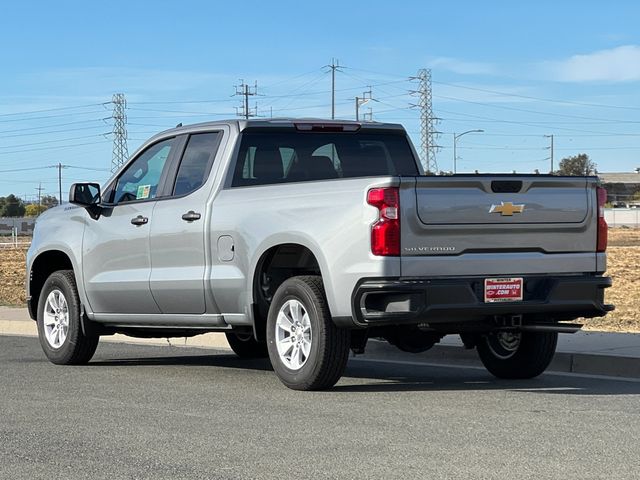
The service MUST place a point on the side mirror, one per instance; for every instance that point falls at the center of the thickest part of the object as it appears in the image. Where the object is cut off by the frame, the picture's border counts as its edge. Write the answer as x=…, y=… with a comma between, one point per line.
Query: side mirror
x=86, y=195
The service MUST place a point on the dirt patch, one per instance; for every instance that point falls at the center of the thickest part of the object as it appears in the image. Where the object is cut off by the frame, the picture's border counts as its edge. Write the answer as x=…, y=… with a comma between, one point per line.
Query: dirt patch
x=624, y=237
x=12, y=276
x=623, y=267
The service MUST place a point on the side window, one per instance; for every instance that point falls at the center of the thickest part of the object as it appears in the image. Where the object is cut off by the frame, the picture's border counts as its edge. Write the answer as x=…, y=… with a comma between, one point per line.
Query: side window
x=196, y=162
x=140, y=179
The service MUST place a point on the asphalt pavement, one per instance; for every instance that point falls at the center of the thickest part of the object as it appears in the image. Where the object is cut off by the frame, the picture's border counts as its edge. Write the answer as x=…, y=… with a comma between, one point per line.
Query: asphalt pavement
x=153, y=412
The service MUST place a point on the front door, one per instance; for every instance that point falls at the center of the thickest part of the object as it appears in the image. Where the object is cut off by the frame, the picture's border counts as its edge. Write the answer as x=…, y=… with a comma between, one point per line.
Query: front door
x=116, y=258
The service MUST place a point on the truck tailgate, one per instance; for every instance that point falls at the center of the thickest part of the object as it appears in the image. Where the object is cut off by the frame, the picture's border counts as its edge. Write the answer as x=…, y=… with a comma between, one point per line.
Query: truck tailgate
x=494, y=224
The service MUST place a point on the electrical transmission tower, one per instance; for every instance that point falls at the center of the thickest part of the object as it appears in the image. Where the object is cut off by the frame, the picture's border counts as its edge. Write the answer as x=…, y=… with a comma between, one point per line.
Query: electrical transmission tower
x=428, y=133
x=120, y=149
x=246, y=91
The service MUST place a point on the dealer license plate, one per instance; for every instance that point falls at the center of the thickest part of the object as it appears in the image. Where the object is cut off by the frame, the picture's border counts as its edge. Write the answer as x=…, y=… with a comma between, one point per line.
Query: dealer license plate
x=502, y=289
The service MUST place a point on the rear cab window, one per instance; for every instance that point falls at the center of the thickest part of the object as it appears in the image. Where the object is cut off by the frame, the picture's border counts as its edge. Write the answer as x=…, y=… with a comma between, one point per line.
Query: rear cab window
x=297, y=156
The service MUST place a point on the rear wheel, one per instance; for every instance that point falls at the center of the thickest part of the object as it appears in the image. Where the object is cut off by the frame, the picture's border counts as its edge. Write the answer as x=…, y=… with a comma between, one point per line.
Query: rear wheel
x=58, y=319
x=517, y=355
x=246, y=346
x=307, y=350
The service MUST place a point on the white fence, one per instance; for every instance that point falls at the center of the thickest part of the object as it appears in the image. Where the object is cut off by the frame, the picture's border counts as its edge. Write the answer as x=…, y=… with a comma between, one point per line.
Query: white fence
x=14, y=241
x=622, y=217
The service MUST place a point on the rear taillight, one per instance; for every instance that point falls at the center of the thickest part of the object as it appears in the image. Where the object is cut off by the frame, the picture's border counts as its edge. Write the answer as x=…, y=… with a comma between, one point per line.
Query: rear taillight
x=601, y=244
x=385, y=232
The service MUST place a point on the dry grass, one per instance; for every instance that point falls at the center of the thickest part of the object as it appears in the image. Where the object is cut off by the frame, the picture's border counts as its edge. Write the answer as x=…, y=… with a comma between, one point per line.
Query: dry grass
x=624, y=268
x=12, y=276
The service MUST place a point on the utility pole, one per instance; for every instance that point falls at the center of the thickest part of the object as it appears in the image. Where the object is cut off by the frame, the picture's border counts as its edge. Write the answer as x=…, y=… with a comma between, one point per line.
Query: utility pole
x=60, y=166
x=39, y=189
x=120, y=150
x=551, y=149
x=335, y=65
x=366, y=97
x=427, y=121
x=246, y=91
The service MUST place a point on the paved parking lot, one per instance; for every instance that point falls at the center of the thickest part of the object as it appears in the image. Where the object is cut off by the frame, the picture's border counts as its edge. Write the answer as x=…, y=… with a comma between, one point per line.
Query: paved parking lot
x=153, y=412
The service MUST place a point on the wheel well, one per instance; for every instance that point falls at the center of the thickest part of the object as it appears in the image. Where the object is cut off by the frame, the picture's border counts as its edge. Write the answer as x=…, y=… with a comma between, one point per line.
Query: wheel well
x=274, y=267
x=44, y=265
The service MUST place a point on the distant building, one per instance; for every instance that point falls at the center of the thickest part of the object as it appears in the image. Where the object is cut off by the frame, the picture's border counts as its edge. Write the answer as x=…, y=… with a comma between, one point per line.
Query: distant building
x=621, y=187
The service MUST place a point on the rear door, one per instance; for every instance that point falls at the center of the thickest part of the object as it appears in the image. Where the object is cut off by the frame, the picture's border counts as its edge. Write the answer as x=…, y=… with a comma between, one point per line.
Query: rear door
x=178, y=239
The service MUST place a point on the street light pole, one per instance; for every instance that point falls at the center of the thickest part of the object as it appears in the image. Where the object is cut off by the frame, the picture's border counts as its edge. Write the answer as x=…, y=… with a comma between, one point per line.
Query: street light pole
x=455, y=141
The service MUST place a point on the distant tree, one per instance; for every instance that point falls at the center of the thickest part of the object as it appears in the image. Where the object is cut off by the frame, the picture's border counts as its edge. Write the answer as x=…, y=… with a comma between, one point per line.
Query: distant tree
x=579, y=164
x=33, y=210
x=49, y=201
x=13, y=207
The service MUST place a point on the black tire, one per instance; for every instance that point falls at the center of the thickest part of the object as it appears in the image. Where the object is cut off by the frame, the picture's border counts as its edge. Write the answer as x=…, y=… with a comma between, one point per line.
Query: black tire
x=245, y=345
x=77, y=348
x=528, y=359
x=329, y=350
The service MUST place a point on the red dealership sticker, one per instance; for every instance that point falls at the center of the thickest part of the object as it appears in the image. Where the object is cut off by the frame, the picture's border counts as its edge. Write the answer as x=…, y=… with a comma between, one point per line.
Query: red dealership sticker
x=502, y=289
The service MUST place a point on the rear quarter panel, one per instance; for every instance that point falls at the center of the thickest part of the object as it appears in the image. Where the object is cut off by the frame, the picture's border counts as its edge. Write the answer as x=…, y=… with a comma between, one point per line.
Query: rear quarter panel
x=331, y=218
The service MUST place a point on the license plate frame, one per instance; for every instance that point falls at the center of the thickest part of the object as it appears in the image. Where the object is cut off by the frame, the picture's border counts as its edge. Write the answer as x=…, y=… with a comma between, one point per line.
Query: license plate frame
x=503, y=289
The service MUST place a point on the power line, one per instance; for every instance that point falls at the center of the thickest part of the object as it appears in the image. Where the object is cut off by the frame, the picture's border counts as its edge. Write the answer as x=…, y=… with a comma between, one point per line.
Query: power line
x=51, y=148
x=52, y=125
x=52, y=109
x=50, y=116
x=48, y=132
x=503, y=107
x=541, y=99
x=50, y=141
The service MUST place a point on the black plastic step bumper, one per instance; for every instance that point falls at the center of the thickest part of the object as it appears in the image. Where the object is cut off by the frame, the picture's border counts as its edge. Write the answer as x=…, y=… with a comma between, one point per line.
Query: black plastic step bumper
x=460, y=300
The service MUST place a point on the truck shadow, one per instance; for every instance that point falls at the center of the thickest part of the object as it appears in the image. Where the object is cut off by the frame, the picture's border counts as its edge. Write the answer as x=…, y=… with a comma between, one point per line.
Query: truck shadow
x=377, y=376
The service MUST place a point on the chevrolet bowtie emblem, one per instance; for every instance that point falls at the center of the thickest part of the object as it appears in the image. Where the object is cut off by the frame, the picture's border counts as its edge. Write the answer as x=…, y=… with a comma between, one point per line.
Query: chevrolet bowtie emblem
x=506, y=209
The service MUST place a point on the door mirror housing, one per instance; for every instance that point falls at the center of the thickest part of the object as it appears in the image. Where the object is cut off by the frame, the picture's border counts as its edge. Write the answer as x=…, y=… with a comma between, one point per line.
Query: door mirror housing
x=86, y=195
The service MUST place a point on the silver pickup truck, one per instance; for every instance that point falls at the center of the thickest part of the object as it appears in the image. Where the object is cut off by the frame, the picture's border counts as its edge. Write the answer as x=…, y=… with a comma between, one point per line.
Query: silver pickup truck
x=302, y=239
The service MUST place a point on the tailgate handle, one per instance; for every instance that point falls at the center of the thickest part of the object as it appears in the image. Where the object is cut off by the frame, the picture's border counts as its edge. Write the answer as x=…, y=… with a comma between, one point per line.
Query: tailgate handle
x=506, y=186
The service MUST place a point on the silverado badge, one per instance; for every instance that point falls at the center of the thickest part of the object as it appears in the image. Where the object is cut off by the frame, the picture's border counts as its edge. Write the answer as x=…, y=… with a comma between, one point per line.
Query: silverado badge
x=506, y=209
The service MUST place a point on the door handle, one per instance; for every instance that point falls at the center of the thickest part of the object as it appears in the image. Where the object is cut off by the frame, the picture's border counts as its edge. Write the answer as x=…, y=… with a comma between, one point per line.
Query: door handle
x=191, y=216
x=139, y=220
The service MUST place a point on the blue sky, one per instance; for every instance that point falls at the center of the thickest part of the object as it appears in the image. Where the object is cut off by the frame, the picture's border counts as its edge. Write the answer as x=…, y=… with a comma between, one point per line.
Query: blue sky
x=517, y=70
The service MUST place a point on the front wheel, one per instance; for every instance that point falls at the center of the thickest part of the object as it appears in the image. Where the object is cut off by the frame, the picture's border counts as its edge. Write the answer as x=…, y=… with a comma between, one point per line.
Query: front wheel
x=307, y=350
x=59, y=327
x=517, y=355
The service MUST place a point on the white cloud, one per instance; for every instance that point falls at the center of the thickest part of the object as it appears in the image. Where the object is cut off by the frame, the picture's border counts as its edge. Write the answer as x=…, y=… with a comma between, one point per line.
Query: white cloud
x=462, y=67
x=620, y=64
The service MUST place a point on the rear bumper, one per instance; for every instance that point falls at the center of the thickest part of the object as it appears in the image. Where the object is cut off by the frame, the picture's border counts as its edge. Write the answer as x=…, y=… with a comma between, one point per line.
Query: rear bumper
x=461, y=300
